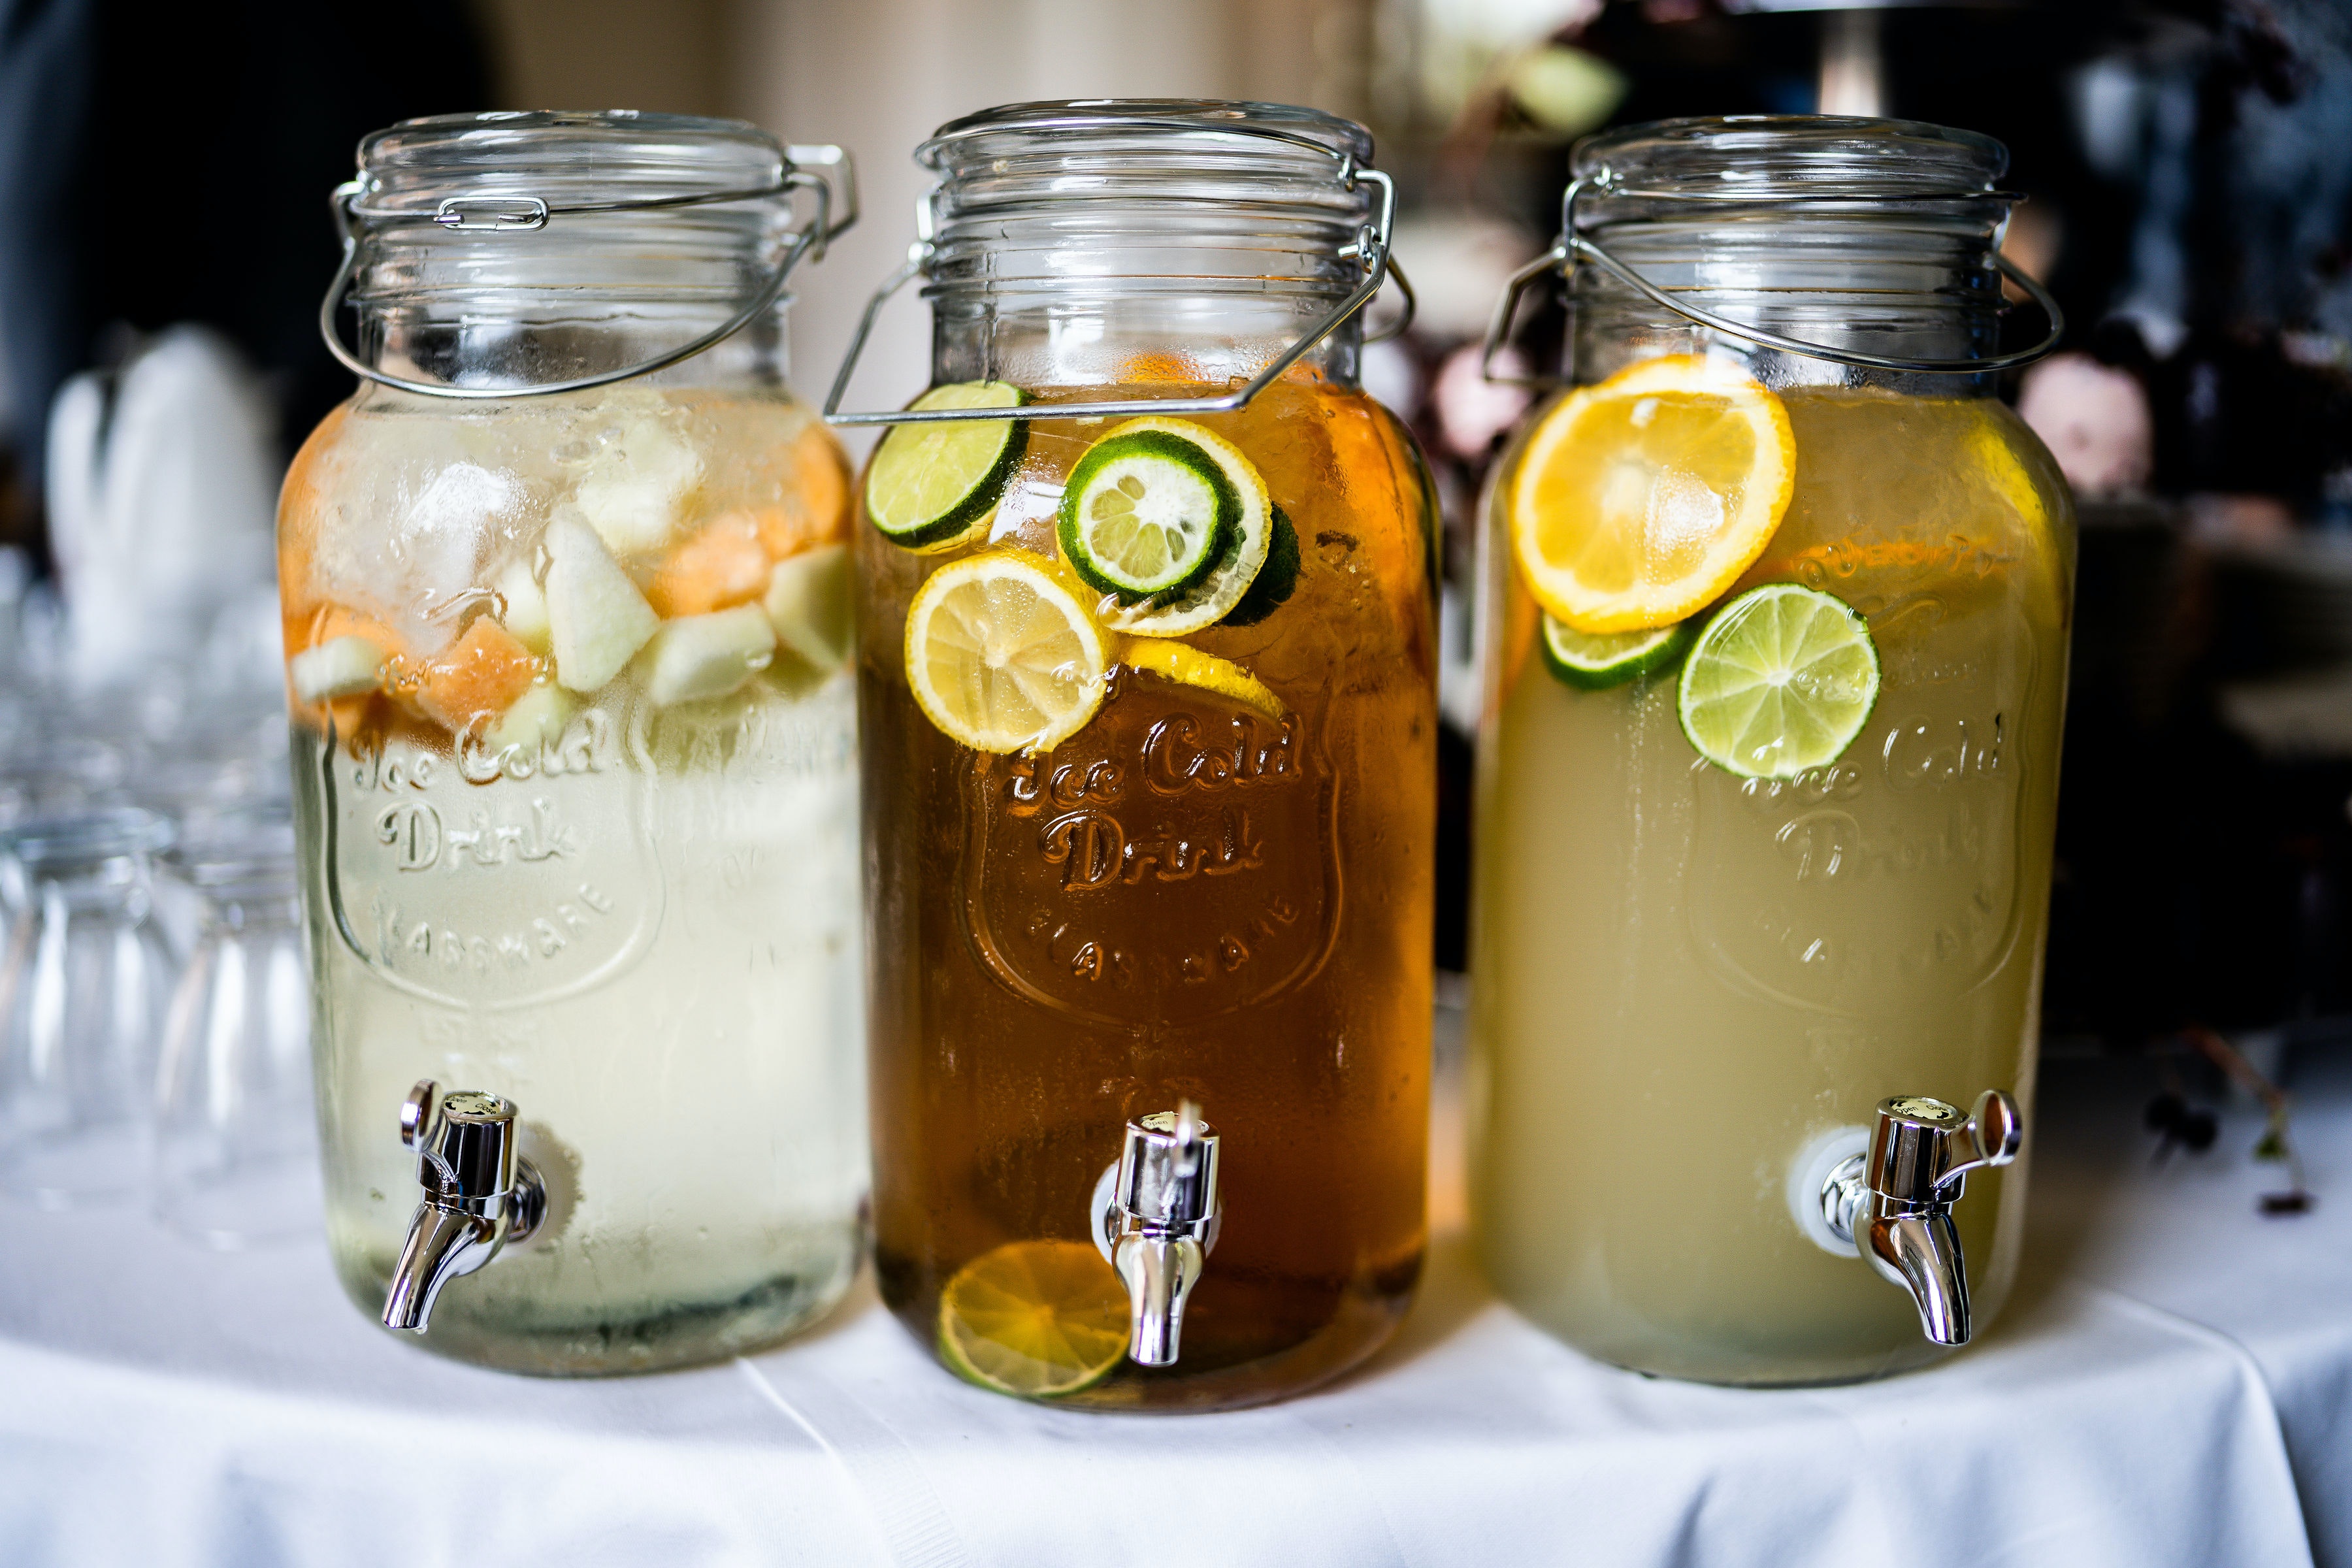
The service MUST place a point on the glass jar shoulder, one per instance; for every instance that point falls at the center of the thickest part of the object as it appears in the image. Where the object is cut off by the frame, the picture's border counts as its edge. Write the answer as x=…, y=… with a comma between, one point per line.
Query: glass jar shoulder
x=1897, y=493
x=447, y=567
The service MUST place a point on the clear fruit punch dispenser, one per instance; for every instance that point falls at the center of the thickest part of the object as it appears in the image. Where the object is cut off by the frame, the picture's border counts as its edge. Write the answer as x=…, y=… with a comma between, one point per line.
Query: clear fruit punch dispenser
x=567, y=598
x=1147, y=702
x=1775, y=629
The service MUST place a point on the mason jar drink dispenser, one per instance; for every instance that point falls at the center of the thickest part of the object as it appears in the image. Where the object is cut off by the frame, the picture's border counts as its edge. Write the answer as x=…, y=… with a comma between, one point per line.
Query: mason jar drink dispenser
x=1147, y=706
x=1776, y=603
x=567, y=616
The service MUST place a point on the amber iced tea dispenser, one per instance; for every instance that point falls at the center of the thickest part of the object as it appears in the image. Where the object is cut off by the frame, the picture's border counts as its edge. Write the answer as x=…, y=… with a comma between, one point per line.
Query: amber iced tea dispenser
x=1775, y=610
x=1146, y=710
x=566, y=593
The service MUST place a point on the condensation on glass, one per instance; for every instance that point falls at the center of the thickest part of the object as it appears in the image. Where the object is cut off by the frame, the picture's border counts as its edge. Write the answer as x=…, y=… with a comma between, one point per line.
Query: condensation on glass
x=576, y=747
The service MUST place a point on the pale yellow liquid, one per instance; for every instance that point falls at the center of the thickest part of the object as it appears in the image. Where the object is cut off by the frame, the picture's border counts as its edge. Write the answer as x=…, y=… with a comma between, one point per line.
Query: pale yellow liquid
x=1681, y=978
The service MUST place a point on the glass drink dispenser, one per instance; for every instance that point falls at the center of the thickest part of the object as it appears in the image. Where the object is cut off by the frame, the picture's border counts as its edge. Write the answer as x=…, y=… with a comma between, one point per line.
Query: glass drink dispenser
x=1776, y=603
x=566, y=593
x=1147, y=705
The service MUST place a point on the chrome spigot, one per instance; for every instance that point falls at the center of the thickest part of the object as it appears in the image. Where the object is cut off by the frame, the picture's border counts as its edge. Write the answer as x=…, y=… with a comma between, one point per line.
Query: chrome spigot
x=479, y=1196
x=1156, y=1215
x=1894, y=1204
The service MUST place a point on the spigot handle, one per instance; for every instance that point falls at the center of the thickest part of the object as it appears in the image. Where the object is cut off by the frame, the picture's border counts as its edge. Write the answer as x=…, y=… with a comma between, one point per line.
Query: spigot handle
x=1996, y=1130
x=465, y=1143
x=1923, y=1150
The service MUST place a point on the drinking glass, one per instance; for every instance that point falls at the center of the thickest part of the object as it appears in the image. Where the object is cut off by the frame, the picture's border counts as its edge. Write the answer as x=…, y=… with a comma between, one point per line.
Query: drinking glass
x=83, y=990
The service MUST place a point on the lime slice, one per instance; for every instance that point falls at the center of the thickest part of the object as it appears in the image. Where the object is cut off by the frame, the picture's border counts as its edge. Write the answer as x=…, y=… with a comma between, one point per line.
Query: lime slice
x=1594, y=662
x=1034, y=1318
x=1187, y=666
x=1276, y=579
x=929, y=483
x=1178, y=611
x=1781, y=680
x=1001, y=655
x=1146, y=512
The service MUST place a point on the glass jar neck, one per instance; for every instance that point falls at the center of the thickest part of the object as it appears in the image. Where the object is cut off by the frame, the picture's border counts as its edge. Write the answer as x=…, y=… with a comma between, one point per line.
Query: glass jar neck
x=1135, y=242
x=1869, y=237
x=1190, y=337
x=600, y=282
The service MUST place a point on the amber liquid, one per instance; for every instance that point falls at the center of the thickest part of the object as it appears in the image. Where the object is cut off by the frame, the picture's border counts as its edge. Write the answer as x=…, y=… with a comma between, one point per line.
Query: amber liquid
x=1186, y=899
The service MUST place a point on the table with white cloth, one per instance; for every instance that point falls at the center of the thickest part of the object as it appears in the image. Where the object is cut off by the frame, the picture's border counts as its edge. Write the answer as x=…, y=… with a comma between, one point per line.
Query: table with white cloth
x=2171, y=1384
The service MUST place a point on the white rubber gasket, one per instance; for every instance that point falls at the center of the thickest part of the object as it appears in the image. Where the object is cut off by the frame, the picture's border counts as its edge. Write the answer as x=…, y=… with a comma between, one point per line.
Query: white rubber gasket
x=1810, y=1172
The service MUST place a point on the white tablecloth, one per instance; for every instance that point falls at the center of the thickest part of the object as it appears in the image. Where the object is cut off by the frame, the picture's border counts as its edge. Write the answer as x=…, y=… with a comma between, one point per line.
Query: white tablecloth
x=2172, y=1385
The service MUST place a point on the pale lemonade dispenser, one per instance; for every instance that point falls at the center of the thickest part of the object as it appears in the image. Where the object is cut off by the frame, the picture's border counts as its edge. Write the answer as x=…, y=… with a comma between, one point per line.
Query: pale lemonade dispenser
x=566, y=593
x=1147, y=709
x=1775, y=603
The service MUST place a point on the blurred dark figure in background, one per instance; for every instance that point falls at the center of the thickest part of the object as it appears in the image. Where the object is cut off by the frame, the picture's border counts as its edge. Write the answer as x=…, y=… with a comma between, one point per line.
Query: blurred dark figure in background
x=164, y=163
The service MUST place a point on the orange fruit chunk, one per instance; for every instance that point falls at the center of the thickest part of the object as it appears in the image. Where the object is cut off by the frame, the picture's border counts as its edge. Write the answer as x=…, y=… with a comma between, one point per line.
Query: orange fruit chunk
x=479, y=676
x=1638, y=501
x=724, y=565
x=815, y=507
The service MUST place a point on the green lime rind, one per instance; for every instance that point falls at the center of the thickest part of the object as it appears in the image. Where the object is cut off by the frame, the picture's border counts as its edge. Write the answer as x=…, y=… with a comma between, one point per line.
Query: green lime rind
x=929, y=484
x=1596, y=663
x=1275, y=580
x=1781, y=680
x=1107, y=541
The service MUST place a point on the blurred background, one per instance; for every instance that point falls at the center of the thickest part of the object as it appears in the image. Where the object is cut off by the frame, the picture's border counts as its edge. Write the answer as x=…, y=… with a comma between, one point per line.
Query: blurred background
x=164, y=242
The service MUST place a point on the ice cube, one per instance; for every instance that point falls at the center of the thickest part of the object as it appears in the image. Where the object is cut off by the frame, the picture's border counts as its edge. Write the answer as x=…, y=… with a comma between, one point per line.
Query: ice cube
x=696, y=657
x=596, y=618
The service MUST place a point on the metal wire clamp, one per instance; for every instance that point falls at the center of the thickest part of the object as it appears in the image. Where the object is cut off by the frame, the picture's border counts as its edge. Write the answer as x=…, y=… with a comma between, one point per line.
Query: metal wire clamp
x=1371, y=244
x=521, y=213
x=1570, y=248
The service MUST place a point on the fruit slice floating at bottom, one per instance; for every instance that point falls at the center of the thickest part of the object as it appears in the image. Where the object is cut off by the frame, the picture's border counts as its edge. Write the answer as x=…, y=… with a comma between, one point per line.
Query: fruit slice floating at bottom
x=1782, y=679
x=930, y=483
x=1034, y=1318
x=1002, y=654
x=1595, y=663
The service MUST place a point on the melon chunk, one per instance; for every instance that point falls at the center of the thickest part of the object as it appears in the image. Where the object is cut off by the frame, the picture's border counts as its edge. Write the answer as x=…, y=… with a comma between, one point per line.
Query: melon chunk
x=538, y=717
x=596, y=618
x=481, y=674
x=696, y=657
x=525, y=604
x=634, y=487
x=808, y=603
x=722, y=566
x=339, y=666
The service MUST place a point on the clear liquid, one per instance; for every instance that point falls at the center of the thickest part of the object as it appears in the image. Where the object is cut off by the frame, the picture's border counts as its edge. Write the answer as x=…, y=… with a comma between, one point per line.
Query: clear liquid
x=1681, y=978
x=685, y=1062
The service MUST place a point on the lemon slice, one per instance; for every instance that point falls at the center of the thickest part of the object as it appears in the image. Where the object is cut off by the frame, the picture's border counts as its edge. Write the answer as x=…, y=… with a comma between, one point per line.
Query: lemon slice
x=1001, y=655
x=929, y=484
x=1592, y=663
x=1641, y=500
x=1183, y=662
x=1034, y=1318
x=1782, y=679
